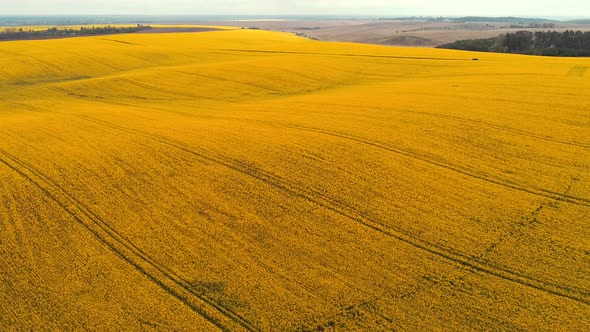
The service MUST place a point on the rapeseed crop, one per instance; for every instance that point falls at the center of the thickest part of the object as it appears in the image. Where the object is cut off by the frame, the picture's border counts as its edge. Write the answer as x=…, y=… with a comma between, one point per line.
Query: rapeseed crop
x=254, y=180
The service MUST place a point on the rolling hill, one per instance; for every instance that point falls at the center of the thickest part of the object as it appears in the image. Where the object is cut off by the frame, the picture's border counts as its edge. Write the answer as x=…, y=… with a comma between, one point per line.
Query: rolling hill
x=253, y=180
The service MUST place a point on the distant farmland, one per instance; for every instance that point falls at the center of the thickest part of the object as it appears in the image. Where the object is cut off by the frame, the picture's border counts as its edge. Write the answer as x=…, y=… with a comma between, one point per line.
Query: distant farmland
x=258, y=181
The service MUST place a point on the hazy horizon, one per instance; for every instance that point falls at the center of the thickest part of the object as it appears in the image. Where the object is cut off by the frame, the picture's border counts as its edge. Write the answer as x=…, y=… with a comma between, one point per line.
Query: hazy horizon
x=294, y=16
x=381, y=8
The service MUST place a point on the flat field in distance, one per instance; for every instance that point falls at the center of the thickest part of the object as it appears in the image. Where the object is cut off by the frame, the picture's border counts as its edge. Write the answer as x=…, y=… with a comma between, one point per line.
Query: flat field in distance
x=422, y=33
x=257, y=181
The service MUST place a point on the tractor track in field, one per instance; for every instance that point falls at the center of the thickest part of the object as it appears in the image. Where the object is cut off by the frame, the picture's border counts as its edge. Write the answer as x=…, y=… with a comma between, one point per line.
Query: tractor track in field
x=507, y=101
x=220, y=79
x=383, y=146
x=428, y=114
x=341, y=54
x=582, y=201
x=496, y=127
x=527, y=222
x=349, y=212
x=487, y=124
x=148, y=88
x=223, y=318
x=484, y=177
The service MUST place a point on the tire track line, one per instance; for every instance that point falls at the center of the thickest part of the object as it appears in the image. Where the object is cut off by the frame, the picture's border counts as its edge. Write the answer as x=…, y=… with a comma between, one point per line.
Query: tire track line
x=482, y=177
x=224, y=80
x=221, y=317
x=341, y=54
x=479, y=265
x=442, y=116
x=494, y=126
x=497, y=181
x=482, y=123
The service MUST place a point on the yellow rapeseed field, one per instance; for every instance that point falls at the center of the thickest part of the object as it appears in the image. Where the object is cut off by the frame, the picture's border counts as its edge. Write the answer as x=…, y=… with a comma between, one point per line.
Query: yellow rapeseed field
x=77, y=27
x=253, y=180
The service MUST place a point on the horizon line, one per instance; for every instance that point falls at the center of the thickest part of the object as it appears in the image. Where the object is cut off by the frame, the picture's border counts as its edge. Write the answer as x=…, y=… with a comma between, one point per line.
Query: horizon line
x=309, y=15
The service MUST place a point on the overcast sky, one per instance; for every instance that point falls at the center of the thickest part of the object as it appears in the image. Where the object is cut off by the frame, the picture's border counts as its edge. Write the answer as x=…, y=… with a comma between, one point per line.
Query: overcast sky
x=576, y=8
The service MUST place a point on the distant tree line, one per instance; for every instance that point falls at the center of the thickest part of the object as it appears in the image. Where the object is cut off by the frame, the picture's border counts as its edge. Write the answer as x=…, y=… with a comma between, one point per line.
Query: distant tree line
x=23, y=34
x=550, y=43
